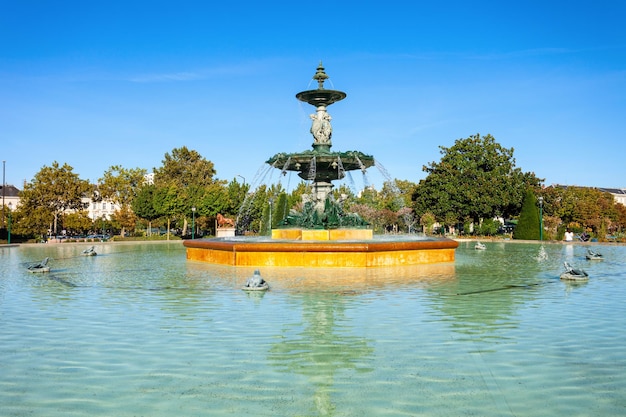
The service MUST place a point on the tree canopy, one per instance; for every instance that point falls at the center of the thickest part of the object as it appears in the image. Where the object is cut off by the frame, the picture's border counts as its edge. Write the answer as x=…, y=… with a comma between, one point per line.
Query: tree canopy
x=121, y=185
x=475, y=179
x=53, y=190
x=184, y=167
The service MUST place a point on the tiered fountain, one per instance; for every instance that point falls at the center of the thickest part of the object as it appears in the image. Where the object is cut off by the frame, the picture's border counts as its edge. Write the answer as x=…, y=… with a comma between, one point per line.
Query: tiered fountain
x=322, y=235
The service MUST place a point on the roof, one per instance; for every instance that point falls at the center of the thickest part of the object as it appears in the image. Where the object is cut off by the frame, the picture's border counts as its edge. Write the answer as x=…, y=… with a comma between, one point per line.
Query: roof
x=9, y=191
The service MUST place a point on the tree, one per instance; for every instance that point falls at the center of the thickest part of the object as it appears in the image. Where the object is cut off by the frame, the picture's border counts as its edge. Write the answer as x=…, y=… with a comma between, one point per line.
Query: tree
x=295, y=197
x=53, y=190
x=184, y=174
x=396, y=194
x=237, y=194
x=143, y=205
x=124, y=218
x=582, y=208
x=78, y=222
x=475, y=179
x=427, y=221
x=528, y=225
x=184, y=167
x=121, y=186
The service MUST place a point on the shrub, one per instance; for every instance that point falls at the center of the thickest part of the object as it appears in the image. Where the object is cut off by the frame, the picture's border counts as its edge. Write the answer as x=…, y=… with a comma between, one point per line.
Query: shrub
x=528, y=225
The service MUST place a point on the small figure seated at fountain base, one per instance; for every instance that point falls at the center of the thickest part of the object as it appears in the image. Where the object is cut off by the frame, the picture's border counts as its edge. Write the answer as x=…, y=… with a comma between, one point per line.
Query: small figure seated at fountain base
x=256, y=283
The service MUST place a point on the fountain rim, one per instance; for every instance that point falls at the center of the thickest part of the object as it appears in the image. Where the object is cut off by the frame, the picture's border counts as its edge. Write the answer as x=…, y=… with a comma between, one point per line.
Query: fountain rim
x=225, y=244
x=321, y=97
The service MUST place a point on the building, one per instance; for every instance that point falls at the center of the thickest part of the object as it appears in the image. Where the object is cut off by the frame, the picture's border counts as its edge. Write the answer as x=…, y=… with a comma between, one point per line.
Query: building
x=618, y=193
x=10, y=201
x=10, y=196
x=99, y=209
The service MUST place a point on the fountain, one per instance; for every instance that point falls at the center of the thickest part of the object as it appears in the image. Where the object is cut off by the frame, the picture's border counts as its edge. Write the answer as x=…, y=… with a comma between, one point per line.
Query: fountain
x=322, y=235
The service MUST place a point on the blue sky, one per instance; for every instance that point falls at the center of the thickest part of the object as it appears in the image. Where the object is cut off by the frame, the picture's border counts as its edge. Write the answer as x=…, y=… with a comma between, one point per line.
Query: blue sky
x=96, y=84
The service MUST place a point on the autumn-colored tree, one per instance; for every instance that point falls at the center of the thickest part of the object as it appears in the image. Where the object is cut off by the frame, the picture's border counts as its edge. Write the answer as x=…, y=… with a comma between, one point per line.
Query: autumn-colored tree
x=53, y=190
x=584, y=208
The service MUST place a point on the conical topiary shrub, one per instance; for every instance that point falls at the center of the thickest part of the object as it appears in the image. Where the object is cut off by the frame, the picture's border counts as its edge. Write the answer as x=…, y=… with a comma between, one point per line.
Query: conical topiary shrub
x=528, y=224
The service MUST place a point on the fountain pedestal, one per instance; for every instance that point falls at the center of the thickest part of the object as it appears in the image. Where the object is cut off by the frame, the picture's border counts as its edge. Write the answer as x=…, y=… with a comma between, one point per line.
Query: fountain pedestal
x=225, y=232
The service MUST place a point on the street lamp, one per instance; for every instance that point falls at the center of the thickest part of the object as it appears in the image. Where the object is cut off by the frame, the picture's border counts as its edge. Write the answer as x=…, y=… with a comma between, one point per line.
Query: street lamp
x=193, y=223
x=243, y=178
x=271, y=201
x=9, y=230
x=540, y=217
x=4, y=186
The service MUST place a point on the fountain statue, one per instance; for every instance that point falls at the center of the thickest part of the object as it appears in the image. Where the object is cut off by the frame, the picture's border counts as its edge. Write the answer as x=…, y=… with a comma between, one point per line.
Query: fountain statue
x=322, y=234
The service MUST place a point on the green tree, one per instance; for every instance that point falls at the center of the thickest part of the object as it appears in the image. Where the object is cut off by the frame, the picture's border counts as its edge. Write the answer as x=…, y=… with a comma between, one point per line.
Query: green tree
x=427, y=221
x=475, y=179
x=236, y=196
x=295, y=197
x=184, y=167
x=280, y=210
x=213, y=200
x=182, y=180
x=488, y=227
x=121, y=186
x=53, y=190
x=143, y=205
x=77, y=222
x=528, y=224
x=396, y=194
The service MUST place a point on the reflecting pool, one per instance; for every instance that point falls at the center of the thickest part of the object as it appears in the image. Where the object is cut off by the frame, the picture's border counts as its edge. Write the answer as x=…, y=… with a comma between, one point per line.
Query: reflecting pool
x=140, y=331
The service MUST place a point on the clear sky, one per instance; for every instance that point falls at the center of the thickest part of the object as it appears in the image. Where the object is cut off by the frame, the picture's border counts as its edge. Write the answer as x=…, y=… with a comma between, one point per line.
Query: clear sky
x=96, y=84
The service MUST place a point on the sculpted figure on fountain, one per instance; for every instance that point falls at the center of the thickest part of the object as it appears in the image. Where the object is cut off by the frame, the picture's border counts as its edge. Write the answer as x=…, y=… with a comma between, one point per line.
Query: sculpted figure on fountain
x=321, y=128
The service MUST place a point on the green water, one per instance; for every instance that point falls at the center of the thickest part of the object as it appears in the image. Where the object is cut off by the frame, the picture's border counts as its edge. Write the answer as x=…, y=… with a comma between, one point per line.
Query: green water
x=140, y=331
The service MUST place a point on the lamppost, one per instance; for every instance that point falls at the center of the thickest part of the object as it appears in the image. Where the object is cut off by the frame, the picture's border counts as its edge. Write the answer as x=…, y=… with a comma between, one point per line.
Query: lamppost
x=193, y=222
x=243, y=178
x=540, y=199
x=4, y=186
x=9, y=230
x=270, y=201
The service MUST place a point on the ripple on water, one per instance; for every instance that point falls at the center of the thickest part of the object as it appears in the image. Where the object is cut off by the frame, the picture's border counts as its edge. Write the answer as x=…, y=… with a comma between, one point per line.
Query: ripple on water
x=138, y=330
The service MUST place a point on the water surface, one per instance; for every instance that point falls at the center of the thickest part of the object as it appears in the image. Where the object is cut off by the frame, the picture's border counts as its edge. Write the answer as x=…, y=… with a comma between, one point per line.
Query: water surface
x=140, y=331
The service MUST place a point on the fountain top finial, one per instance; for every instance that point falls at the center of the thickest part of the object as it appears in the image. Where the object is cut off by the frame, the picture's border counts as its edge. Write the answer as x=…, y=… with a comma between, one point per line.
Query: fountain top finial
x=321, y=96
x=320, y=76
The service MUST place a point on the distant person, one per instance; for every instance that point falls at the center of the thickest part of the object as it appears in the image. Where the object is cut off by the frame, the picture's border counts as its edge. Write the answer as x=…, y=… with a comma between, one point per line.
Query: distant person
x=569, y=236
